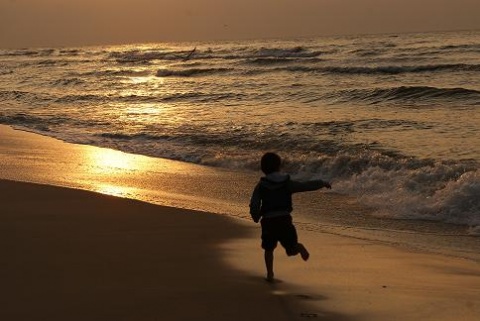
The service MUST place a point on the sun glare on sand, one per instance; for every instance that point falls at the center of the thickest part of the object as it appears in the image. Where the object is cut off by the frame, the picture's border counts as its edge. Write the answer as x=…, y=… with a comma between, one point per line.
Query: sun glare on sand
x=109, y=161
x=111, y=169
x=117, y=173
x=112, y=190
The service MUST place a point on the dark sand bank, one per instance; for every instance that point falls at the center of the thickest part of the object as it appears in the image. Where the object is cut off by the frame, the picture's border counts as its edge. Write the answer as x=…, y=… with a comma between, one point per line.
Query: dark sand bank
x=76, y=255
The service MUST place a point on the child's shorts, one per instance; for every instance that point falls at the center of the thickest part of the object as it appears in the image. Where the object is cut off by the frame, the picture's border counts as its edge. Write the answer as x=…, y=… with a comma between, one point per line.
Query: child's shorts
x=279, y=229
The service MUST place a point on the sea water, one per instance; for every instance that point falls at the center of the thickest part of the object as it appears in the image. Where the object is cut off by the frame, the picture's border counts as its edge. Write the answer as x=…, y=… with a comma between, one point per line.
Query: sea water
x=391, y=120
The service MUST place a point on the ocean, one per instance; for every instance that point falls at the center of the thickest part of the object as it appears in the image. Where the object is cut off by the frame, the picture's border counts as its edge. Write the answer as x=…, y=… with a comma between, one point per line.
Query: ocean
x=393, y=121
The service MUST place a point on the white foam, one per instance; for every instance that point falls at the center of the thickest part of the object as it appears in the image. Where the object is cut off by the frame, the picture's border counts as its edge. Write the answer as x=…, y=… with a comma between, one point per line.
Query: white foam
x=474, y=230
x=423, y=193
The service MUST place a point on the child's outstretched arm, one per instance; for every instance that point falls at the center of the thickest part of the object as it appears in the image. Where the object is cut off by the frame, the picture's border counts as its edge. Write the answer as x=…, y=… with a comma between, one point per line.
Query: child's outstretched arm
x=255, y=204
x=313, y=185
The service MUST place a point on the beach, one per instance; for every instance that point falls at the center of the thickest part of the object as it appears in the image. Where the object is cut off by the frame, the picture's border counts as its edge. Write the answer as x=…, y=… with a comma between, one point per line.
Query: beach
x=70, y=252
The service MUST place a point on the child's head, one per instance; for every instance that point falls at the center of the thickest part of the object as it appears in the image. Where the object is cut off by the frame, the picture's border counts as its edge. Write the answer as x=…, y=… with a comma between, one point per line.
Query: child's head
x=270, y=163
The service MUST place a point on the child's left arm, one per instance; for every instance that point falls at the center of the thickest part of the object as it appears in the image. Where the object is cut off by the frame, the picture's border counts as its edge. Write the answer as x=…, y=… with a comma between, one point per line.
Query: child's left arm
x=306, y=186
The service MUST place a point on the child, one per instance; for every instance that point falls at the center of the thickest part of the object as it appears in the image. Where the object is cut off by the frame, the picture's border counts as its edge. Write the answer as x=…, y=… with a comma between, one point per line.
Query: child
x=272, y=202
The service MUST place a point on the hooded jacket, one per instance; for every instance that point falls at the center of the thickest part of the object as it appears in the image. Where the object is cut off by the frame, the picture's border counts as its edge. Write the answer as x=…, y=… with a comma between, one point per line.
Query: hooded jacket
x=272, y=196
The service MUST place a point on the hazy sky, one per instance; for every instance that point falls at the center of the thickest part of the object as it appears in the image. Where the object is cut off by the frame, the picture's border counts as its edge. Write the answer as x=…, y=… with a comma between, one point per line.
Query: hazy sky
x=25, y=23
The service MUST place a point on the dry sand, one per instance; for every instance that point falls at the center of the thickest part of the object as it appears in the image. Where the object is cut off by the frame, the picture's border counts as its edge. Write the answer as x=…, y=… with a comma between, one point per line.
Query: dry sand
x=77, y=255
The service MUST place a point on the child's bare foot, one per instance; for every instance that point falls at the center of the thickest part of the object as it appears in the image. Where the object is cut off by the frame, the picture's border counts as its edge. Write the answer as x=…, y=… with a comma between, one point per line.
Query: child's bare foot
x=303, y=252
x=270, y=278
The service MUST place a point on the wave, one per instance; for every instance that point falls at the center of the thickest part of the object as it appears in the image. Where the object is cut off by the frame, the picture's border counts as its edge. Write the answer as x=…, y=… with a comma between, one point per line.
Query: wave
x=268, y=61
x=48, y=52
x=19, y=119
x=28, y=52
x=138, y=56
x=35, y=99
x=24, y=96
x=5, y=72
x=387, y=70
x=50, y=63
x=369, y=52
x=461, y=47
x=36, y=123
x=191, y=72
x=203, y=97
x=439, y=191
x=69, y=52
x=124, y=136
x=81, y=99
x=412, y=95
x=295, y=52
x=67, y=82
x=113, y=73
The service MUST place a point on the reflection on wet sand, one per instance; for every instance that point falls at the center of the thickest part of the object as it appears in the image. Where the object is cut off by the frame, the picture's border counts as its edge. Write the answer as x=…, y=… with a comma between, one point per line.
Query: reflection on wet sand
x=29, y=157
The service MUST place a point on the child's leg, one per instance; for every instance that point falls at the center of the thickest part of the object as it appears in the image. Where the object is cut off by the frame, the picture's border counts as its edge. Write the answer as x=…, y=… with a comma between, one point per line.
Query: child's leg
x=269, y=264
x=289, y=240
x=303, y=251
x=298, y=248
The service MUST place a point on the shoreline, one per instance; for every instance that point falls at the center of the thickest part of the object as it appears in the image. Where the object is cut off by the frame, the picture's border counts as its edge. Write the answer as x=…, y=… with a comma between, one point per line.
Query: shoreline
x=61, y=262
x=31, y=157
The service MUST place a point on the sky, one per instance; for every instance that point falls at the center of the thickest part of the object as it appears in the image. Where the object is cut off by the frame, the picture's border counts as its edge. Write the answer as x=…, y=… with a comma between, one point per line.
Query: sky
x=48, y=23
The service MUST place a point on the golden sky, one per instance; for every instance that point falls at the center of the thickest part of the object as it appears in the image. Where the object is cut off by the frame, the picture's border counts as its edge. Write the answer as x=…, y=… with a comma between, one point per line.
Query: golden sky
x=26, y=23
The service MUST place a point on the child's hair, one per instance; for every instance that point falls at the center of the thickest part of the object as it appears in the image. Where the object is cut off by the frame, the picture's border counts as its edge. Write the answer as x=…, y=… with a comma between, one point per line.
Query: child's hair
x=270, y=163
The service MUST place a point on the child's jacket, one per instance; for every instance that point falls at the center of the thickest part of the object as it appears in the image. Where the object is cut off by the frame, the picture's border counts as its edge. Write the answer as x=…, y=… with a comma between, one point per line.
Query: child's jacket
x=272, y=196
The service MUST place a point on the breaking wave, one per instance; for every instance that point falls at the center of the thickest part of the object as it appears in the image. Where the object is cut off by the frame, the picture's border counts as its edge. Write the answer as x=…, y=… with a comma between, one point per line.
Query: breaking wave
x=415, y=95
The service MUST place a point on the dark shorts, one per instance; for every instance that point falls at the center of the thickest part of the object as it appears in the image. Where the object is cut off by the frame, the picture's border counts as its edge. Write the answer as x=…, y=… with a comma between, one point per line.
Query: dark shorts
x=279, y=229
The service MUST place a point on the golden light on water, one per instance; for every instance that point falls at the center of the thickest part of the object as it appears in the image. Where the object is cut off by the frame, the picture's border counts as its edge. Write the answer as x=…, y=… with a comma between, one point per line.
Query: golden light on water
x=138, y=80
x=144, y=109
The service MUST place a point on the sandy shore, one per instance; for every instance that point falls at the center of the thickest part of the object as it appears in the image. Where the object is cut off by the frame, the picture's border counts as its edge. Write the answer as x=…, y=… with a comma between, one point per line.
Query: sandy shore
x=77, y=255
